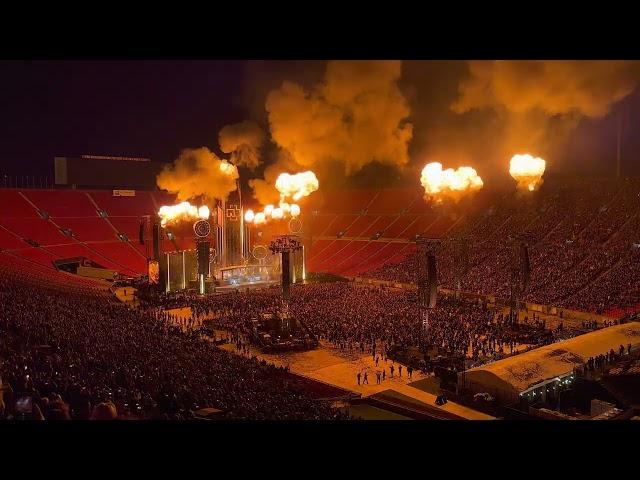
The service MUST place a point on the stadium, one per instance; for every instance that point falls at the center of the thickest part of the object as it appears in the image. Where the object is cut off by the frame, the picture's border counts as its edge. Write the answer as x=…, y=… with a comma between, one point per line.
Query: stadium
x=225, y=284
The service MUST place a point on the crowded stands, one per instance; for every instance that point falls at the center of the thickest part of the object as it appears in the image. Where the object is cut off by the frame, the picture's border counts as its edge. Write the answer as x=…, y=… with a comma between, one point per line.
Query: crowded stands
x=80, y=357
x=583, y=241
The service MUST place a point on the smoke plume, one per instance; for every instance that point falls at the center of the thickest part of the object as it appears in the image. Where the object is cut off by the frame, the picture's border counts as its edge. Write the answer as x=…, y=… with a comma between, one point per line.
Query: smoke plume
x=534, y=105
x=243, y=141
x=555, y=87
x=264, y=189
x=198, y=172
x=356, y=116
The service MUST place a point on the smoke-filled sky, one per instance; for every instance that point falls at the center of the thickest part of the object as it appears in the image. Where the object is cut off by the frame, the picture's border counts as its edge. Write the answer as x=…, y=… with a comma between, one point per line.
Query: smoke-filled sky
x=374, y=121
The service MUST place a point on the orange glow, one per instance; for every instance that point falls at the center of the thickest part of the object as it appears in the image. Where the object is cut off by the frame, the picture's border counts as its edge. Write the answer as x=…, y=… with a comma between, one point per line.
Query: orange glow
x=527, y=171
x=180, y=212
x=294, y=186
x=297, y=186
x=227, y=168
x=439, y=183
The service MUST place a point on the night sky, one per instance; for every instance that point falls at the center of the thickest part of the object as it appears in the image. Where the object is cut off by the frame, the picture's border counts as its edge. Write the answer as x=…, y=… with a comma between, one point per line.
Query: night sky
x=130, y=108
x=155, y=108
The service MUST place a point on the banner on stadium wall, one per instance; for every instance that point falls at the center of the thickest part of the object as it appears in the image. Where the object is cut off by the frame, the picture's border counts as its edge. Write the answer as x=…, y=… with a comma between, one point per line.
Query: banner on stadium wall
x=124, y=193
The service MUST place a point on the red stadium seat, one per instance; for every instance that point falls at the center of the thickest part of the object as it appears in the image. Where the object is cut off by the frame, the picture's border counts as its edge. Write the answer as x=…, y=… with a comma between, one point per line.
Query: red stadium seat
x=349, y=266
x=14, y=205
x=88, y=229
x=345, y=201
x=9, y=240
x=124, y=254
x=378, y=226
x=320, y=223
x=340, y=224
x=62, y=203
x=360, y=225
x=139, y=205
x=393, y=201
x=42, y=231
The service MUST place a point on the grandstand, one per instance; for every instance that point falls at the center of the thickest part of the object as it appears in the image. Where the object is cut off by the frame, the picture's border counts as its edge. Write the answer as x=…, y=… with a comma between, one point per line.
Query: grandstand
x=355, y=231
x=358, y=231
x=581, y=237
x=38, y=227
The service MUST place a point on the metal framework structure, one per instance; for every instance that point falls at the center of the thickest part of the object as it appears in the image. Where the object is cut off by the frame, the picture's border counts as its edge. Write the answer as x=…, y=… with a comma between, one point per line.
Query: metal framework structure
x=425, y=246
x=202, y=229
x=285, y=245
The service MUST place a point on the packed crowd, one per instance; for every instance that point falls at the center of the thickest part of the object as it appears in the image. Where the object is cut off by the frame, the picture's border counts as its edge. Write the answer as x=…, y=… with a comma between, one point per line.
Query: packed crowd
x=584, y=247
x=365, y=319
x=73, y=356
x=599, y=362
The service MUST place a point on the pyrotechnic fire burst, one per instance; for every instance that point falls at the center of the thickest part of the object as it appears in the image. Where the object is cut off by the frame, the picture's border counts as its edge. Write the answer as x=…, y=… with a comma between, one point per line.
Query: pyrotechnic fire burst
x=527, y=171
x=182, y=211
x=451, y=183
x=227, y=168
x=268, y=210
x=259, y=218
x=297, y=186
x=277, y=213
x=294, y=186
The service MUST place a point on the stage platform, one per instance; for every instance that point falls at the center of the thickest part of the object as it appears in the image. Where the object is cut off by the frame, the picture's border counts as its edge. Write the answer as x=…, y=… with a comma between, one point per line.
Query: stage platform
x=246, y=286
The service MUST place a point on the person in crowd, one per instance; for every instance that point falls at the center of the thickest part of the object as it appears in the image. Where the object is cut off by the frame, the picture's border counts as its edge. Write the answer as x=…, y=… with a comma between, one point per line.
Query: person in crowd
x=105, y=360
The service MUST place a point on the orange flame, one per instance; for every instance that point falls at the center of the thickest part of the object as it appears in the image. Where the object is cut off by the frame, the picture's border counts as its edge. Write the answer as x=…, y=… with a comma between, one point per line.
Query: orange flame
x=294, y=186
x=439, y=183
x=297, y=186
x=180, y=212
x=527, y=171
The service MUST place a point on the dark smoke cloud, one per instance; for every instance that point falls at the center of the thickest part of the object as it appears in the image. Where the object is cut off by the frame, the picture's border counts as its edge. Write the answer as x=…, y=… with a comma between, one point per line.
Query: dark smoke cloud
x=357, y=116
x=482, y=113
x=243, y=141
x=367, y=116
x=555, y=87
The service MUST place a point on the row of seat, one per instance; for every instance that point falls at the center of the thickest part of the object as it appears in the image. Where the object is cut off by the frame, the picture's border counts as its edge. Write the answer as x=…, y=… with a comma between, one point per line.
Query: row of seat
x=42, y=225
x=14, y=266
